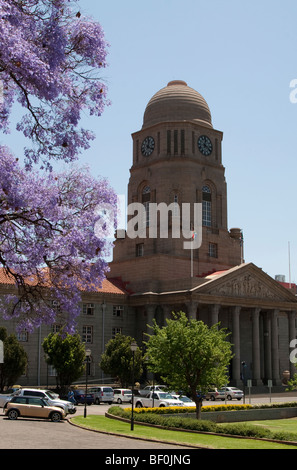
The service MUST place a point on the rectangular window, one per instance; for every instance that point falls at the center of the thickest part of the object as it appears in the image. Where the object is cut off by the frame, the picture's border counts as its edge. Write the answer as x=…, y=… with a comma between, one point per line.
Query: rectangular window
x=51, y=371
x=175, y=142
x=116, y=331
x=87, y=334
x=168, y=142
x=206, y=213
x=182, y=142
x=56, y=328
x=213, y=250
x=139, y=249
x=22, y=336
x=88, y=309
x=118, y=310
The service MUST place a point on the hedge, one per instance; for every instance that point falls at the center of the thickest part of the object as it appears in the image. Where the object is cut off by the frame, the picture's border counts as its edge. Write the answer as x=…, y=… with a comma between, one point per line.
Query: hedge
x=203, y=425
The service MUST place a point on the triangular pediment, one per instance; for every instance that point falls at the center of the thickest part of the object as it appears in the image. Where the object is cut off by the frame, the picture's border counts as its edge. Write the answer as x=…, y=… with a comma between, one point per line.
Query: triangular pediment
x=245, y=281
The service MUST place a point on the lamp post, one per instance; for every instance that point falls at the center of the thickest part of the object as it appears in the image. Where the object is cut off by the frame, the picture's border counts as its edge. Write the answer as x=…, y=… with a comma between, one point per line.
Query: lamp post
x=88, y=353
x=133, y=348
x=243, y=378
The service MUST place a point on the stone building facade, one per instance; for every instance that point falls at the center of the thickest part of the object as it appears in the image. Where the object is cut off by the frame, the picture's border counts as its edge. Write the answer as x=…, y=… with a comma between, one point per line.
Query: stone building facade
x=177, y=159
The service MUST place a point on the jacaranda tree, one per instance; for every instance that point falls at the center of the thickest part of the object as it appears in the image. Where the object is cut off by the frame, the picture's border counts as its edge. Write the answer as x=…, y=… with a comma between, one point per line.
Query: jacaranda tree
x=52, y=228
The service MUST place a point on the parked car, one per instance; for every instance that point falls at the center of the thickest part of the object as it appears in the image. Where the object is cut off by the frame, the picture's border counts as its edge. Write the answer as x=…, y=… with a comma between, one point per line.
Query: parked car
x=232, y=392
x=215, y=394
x=122, y=395
x=186, y=400
x=149, y=388
x=102, y=394
x=81, y=397
x=67, y=406
x=33, y=407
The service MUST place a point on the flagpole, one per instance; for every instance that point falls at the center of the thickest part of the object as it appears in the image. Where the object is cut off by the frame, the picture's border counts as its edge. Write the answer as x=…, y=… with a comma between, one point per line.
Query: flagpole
x=289, y=265
x=192, y=259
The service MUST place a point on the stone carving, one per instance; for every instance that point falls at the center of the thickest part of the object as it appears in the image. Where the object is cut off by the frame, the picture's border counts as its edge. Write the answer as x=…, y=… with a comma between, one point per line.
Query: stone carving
x=245, y=286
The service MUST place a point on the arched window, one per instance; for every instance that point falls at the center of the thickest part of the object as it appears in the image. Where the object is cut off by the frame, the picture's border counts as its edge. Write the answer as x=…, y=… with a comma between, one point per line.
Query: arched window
x=146, y=198
x=206, y=206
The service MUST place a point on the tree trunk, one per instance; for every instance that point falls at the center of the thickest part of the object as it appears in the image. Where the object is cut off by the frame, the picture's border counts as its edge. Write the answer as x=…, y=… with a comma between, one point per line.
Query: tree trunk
x=198, y=408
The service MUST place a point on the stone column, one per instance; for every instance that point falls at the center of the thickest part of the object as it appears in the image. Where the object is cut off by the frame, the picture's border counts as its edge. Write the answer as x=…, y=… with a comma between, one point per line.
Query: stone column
x=267, y=347
x=256, y=347
x=292, y=335
x=274, y=348
x=192, y=310
x=167, y=310
x=150, y=315
x=236, y=347
x=214, y=314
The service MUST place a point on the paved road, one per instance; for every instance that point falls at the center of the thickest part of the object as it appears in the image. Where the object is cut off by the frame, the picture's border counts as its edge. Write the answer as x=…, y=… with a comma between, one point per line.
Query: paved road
x=41, y=434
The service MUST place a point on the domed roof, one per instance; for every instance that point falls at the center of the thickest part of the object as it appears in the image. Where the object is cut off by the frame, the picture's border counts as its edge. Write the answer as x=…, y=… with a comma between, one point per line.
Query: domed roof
x=177, y=102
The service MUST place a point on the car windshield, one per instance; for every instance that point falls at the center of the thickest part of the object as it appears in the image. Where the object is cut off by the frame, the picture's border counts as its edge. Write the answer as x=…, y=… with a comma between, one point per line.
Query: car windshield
x=164, y=395
x=51, y=395
x=185, y=399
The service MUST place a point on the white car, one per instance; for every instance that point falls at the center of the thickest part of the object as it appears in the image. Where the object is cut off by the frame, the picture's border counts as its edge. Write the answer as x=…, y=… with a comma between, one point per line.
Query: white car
x=152, y=388
x=186, y=400
x=122, y=395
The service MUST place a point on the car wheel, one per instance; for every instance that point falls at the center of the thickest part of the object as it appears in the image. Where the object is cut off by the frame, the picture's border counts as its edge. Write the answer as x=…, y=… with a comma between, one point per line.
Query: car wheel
x=212, y=398
x=97, y=401
x=138, y=405
x=229, y=397
x=56, y=417
x=119, y=401
x=239, y=398
x=13, y=414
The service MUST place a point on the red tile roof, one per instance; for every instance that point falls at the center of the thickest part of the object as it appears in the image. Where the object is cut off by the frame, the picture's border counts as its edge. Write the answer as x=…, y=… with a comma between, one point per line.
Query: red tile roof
x=109, y=286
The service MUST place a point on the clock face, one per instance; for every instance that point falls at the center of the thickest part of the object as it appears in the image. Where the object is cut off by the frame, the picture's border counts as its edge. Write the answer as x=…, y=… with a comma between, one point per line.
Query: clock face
x=205, y=145
x=147, y=146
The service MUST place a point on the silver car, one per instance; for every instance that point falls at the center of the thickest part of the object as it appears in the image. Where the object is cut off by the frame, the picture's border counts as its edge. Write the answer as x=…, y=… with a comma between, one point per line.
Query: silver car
x=102, y=394
x=215, y=394
x=232, y=392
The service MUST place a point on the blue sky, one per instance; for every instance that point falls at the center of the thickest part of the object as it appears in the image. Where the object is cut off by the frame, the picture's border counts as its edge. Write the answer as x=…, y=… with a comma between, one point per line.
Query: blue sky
x=241, y=56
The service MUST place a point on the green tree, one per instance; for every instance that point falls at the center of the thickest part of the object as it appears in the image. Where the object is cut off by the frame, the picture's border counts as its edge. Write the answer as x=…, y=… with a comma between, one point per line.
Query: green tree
x=15, y=360
x=66, y=353
x=189, y=355
x=117, y=360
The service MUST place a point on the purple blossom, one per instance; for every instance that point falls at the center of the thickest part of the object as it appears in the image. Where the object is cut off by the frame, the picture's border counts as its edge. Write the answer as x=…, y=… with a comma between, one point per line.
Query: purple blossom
x=49, y=247
x=50, y=61
x=51, y=52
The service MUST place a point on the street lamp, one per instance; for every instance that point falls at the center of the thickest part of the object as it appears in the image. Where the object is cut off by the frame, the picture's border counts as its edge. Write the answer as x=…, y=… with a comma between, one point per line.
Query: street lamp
x=243, y=378
x=88, y=354
x=133, y=348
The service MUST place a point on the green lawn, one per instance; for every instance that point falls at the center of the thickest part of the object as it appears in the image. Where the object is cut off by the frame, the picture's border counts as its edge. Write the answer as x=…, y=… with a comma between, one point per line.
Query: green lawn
x=286, y=425
x=101, y=423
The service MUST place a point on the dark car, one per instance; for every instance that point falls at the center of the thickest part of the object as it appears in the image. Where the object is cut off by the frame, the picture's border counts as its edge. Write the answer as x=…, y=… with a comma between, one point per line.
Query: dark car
x=80, y=396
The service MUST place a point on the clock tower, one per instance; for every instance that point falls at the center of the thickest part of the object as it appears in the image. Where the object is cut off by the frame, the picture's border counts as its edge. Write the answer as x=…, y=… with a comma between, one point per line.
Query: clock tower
x=177, y=163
